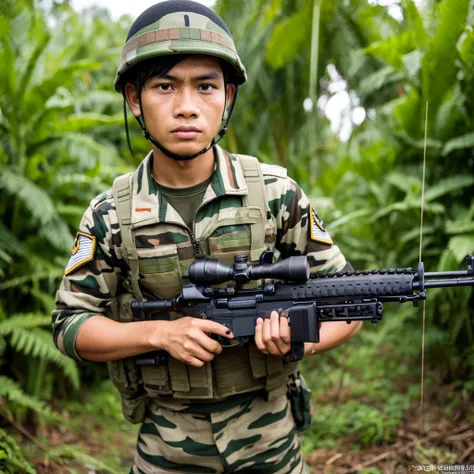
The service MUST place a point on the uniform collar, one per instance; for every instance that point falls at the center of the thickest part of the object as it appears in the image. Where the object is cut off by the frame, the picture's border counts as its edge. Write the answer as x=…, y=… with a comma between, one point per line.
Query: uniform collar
x=149, y=206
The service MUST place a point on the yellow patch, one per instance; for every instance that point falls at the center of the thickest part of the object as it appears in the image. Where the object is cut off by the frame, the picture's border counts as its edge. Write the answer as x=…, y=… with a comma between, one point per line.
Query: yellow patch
x=317, y=231
x=76, y=246
x=82, y=252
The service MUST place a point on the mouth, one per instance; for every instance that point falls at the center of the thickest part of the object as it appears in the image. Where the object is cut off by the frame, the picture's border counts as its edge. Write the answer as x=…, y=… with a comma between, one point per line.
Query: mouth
x=186, y=133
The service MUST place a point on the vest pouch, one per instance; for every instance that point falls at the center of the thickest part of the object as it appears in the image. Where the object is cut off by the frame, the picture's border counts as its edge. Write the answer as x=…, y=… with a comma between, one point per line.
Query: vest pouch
x=160, y=270
x=190, y=382
x=237, y=231
x=233, y=374
x=226, y=246
x=132, y=393
x=124, y=373
x=156, y=380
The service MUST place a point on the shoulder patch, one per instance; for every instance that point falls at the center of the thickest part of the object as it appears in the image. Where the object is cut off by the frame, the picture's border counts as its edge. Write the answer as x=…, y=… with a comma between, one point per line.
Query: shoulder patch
x=317, y=231
x=82, y=252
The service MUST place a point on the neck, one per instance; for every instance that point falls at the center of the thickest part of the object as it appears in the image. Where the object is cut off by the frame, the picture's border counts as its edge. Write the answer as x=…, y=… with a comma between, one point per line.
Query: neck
x=182, y=174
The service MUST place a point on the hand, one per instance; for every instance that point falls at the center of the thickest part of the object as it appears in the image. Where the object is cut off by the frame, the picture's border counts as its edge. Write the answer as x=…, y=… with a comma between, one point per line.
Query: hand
x=273, y=335
x=187, y=339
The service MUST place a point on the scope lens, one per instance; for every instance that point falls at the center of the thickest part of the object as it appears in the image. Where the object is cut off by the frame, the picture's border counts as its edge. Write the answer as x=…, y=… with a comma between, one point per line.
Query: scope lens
x=210, y=271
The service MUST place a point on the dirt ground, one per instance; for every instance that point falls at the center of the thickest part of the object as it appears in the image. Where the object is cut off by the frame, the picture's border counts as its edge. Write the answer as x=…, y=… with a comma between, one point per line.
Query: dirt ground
x=445, y=441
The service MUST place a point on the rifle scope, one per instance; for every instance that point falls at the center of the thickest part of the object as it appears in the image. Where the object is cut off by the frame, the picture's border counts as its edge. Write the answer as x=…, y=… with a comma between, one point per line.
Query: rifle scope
x=211, y=271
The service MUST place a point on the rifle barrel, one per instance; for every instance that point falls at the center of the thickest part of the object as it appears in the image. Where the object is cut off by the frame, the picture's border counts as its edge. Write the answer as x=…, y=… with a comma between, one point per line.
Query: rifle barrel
x=445, y=283
x=453, y=274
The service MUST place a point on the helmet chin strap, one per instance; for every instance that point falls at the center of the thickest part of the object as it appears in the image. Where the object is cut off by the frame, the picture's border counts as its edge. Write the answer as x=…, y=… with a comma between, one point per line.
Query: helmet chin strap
x=176, y=156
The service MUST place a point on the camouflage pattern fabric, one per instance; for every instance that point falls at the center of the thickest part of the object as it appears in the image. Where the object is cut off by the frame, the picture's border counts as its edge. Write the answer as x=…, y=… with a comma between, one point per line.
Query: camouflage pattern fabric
x=177, y=33
x=165, y=246
x=256, y=436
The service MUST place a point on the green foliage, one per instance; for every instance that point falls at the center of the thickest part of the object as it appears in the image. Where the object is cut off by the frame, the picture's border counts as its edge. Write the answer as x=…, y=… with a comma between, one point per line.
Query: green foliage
x=103, y=402
x=100, y=414
x=69, y=451
x=58, y=148
x=425, y=455
x=11, y=459
x=459, y=143
x=437, y=79
x=12, y=392
x=290, y=36
x=392, y=50
x=25, y=336
x=363, y=423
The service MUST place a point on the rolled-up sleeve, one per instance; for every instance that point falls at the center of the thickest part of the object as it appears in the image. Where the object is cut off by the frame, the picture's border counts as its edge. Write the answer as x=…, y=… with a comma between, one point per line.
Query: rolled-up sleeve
x=91, y=279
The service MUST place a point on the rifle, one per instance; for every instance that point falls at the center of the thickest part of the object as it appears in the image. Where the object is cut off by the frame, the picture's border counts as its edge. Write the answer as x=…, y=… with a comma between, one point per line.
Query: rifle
x=288, y=285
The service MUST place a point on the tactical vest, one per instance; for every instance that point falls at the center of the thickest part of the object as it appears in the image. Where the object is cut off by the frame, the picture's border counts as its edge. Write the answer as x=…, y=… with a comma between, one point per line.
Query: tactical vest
x=237, y=369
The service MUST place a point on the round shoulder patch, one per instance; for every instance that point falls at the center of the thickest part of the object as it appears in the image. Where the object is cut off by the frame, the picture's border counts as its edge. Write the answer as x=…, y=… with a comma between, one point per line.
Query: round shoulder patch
x=317, y=231
x=82, y=252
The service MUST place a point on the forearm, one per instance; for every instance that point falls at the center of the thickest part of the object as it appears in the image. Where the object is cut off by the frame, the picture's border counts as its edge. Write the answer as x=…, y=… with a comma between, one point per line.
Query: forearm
x=331, y=335
x=101, y=339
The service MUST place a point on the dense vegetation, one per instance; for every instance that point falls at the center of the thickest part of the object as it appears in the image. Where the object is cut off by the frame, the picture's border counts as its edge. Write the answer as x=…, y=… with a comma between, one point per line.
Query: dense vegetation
x=62, y=142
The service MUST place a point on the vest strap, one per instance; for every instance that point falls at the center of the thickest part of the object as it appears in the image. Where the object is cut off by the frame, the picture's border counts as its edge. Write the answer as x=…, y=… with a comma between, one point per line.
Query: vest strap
x=257, y=200
x=261, y=365
x=122, y=193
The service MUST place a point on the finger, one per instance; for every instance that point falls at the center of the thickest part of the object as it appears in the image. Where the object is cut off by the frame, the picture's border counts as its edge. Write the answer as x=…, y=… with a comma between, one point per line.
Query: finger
x=211, y=326
x=195, y=350
x=275, y=326
x=285, y=331
x=258, y=336
x=208, y=343
x=267, y=337
x=276, y=334
x=193, y=361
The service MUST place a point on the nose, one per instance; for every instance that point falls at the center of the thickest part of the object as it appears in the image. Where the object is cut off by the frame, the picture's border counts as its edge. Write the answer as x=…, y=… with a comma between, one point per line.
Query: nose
x=186, y=104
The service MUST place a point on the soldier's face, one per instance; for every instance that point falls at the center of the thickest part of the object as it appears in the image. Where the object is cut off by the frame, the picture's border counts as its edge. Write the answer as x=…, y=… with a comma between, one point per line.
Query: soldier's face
x=183, y=109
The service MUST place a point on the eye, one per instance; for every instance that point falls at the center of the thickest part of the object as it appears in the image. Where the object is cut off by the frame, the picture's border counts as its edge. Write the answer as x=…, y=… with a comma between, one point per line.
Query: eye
x=206, y=87
x=164, y=86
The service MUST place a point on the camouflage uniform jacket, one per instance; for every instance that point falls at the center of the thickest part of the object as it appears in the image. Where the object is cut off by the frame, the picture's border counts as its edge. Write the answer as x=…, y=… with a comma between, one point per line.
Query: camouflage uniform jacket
x=166, y=247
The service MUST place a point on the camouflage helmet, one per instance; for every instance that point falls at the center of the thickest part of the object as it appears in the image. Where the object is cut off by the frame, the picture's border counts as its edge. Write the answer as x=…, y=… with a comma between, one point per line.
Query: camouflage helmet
x=178, y=27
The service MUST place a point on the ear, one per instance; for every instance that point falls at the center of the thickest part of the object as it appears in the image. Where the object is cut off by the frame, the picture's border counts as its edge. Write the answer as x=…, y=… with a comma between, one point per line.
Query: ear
x=229, y=96
x=131, y=95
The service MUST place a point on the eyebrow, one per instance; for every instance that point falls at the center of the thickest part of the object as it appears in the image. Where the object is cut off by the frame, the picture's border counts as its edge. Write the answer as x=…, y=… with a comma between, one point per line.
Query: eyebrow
x=203, y=77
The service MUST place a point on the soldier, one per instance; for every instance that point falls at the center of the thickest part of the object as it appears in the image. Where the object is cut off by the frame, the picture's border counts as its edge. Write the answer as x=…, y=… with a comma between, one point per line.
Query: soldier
x=206, y=410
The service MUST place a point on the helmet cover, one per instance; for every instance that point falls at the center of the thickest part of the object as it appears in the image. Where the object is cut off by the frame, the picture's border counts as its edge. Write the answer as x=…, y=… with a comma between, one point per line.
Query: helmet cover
x=178, y=27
